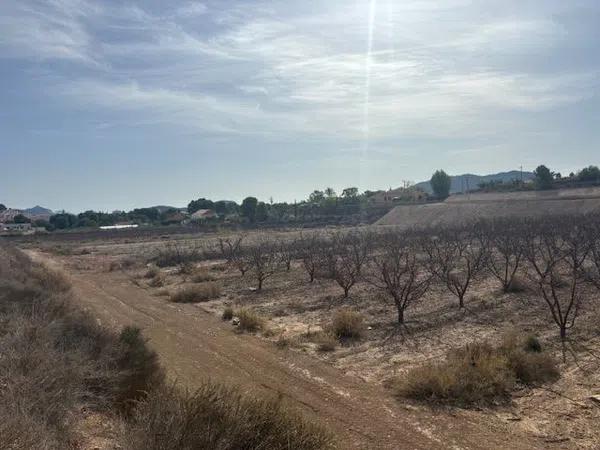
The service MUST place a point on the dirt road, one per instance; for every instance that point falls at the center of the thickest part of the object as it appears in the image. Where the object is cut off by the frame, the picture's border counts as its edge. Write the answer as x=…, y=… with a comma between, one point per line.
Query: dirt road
x=193, y=344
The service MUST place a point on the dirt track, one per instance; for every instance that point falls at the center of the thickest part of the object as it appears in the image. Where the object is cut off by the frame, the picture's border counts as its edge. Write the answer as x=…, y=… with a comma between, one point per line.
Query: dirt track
x=193, y=344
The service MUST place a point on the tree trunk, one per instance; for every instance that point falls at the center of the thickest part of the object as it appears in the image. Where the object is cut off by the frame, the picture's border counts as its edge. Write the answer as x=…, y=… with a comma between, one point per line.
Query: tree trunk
x=400, y=316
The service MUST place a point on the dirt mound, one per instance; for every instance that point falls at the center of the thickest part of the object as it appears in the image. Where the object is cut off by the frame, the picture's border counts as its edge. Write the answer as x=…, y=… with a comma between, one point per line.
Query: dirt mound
x=463, y=208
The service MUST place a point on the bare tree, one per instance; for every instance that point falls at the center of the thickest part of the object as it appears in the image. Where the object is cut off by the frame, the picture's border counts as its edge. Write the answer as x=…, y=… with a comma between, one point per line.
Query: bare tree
x=506, y=252
x=308, y=248
x=263, y=259
x=288, y=250
x=358, y=244
x=340, y=260
x=455, y=256
x=399, y=273
x=592, y=224
x=230, y=247
x=556, y=252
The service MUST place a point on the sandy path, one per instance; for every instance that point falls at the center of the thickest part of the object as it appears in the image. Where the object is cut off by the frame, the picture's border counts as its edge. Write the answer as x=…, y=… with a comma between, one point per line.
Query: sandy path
x=193, y=344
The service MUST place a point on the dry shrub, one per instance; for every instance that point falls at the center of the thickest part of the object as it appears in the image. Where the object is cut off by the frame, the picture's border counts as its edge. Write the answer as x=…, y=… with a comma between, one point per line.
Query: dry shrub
x=186, y=268
x=201, y=276
x=347, y=324
x=517, y=285
x=50, y=280
x=326, y=342
x=138, y=368
x=227, y=313
x=56, y=358
x=249, y=321
x=282, y=342
x=157, y=281
x=152, y=272
x=177, y=255
x=220, y=418
x=478, y=373
x=528, y=361
x=121, y=264
x=198, y=293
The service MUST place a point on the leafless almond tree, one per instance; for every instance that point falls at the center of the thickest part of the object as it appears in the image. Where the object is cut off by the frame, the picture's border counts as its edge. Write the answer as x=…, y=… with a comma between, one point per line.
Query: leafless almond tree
x=556, y=252
x=399, y=273
x=308, y=248
x=230, y=247
x=506, y=248
x=263, y=259
x=456, y=257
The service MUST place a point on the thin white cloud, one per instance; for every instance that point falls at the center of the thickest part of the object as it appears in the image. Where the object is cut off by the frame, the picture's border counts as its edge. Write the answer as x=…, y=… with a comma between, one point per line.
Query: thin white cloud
x=280, y=71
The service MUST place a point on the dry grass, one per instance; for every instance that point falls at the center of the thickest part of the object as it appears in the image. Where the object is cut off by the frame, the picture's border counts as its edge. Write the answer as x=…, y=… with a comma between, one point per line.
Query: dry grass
x=347, y=324
x=152, y=272
x=249, y=321
x=56, y=358
x=201, y=276
x=198, y=293
x=478, y=373
x=157, y=280
x=220, y=418
x=122, y=264
x=227, y=313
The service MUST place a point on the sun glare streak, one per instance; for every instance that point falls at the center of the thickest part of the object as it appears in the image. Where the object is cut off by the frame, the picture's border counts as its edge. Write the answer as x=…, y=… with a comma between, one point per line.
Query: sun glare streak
x=366, y=125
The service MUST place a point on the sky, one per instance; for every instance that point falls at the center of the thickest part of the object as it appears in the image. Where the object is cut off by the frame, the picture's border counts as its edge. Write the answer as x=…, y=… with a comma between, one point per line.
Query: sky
x=119, y=104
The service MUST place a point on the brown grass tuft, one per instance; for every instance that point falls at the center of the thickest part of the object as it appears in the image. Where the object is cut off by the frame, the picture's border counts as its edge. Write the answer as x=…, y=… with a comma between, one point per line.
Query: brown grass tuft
x=198, y=293
x=477, y=374
x=347, y=324
x=249, y=321
x=220, y=418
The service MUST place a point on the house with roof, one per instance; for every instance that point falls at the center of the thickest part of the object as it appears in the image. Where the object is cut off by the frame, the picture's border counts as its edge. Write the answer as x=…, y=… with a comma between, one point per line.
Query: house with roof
x=203, y=215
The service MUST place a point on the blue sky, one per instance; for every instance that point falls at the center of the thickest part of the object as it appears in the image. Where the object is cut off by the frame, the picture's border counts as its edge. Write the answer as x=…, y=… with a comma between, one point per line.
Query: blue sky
x=118, y=104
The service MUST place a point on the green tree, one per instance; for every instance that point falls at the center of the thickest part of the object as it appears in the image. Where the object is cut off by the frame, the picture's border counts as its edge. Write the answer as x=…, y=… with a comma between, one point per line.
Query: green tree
x=440, y=183
x=201, y=203
x=63, y=220
x=262, y=212
x=544, y=178
x=248, y=208
x=350, y=193
x=20, y=218
x=316, y=197
x=590, y=173
x=2, y=207
x=330, y=192
x=226, y=207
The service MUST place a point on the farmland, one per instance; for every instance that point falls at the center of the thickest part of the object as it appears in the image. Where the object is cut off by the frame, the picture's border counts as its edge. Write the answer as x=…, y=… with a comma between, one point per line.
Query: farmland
x=256, y=287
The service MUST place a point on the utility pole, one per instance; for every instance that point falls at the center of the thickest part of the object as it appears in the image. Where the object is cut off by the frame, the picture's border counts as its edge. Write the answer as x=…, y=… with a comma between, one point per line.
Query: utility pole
x=521, y=170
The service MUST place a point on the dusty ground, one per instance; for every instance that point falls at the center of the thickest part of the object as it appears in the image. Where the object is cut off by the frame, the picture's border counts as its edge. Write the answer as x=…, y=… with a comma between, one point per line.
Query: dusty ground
x=344, y=388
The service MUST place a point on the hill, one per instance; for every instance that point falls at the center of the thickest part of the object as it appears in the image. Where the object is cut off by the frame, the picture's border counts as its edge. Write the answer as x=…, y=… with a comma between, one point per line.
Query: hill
x=461, y=183
x=38, y=211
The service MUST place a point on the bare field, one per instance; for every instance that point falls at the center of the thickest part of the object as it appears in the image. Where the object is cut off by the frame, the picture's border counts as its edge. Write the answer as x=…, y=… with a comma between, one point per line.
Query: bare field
x=296, y=312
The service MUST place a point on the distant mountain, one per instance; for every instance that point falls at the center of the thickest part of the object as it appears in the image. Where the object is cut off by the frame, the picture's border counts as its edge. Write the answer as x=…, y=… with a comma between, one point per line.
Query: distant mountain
x=469, y=181
x=38, y=211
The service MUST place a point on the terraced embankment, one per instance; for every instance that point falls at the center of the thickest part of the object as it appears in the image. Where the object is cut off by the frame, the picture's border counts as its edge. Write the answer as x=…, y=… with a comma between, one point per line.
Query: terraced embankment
x=464, y=208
